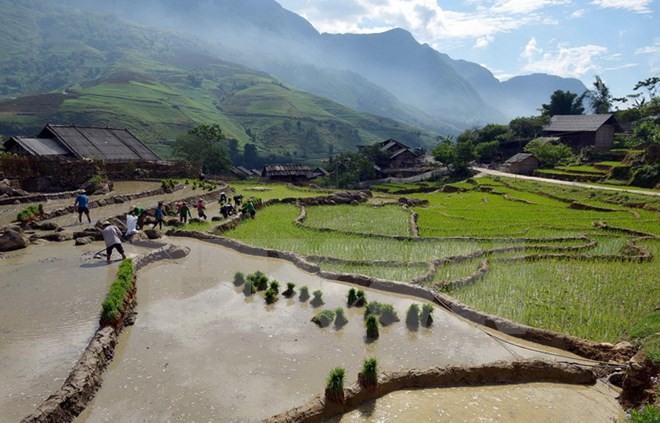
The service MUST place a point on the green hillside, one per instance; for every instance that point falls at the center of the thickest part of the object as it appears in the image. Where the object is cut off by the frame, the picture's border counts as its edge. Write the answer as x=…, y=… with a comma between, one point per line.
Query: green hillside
x=70, y=67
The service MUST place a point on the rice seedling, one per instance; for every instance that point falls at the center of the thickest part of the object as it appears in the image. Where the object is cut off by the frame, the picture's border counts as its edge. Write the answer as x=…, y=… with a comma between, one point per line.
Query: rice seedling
x=290, y=291
x=412, y=316
x=368, y=376
x=270, y=296
x=248, y=288
x=275, y=286
x=239, y=278
x=388, y=315
x=371, y=325
x=304, y=294
x=318, y=298
x=334, y=387
x=324, y=318
x=340, y=317
x=426, y=315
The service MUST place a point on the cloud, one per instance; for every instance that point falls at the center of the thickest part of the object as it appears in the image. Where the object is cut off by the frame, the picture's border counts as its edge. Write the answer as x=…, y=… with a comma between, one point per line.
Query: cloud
x=637, y=6
x=562, y=60
x=484, y=41
x=578, y=14
x=524, y=6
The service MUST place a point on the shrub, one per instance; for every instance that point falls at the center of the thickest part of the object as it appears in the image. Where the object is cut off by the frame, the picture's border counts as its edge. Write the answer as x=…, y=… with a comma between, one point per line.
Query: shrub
x=647, y=414
x=647, y=176
x=270, y=296
x=239, y=279
x=324, y=318
x=248, y=288
x=372, y=327
x=275, y=286
x=426, y=316
x=412, y=316
x=318, y=297
x=388, y=315
x=340, y=317
x=334, y=387
x=289, y=292
x=304, y=293
x=368, y=377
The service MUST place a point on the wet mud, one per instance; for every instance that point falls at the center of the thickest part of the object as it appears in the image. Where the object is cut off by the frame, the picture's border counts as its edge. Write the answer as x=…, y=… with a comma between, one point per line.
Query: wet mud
x=202, y=351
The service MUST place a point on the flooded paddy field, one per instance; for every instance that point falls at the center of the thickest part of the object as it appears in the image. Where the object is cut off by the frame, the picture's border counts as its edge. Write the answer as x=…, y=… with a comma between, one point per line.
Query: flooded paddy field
x=538, y=402
x=50, y=299
x=200, y=350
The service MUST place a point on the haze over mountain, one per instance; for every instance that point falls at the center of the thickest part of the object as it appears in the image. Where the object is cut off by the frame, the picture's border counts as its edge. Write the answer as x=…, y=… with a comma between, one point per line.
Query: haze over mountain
x=421, y=85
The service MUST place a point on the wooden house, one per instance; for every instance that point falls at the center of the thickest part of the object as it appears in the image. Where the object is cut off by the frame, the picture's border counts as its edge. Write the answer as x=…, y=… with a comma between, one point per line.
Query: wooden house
x=72, y=142
x=521, y=164
x=287, y=172
x=579, y=131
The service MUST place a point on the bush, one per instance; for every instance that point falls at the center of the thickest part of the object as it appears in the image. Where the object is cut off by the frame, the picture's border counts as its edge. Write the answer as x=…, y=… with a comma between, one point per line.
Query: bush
x=647, y=414
x=547, y=153
x=340, y=317
x=239, y=279
x=368, y=377
x=647, y=176
x=324, y=318
x=290, y=291
x=304, y=293
x=426, y=316
x=372, y=327
x=334, y=387
x=388, y=315
x=412, y=316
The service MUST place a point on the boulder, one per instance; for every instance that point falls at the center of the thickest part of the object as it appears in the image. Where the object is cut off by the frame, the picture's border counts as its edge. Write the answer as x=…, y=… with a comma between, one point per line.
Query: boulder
x=12, y=239
x=58, y=236
x=83, y=240
x=153, y=233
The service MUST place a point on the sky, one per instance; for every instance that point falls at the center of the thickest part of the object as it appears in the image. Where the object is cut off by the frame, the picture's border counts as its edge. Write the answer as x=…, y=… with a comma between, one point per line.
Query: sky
x=617, y=40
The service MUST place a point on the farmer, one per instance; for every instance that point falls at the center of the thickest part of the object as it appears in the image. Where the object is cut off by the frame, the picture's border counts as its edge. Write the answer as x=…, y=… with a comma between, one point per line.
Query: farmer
x=82, y=202
x=223, y=197
x=160, y=215
x=238, y=198
x=184, y=212
x=141, y=214
x=112, y=237
x=200, y=209
x=248, y=208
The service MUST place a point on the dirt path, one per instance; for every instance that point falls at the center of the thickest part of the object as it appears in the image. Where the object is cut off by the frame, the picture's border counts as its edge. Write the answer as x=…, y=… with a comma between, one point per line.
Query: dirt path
x=485, y=171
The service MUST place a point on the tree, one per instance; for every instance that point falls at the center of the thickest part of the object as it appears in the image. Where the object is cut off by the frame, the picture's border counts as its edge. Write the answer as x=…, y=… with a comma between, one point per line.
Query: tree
x=493, y=132
x=457, y=155
x=486, y=152
x=250, y=155
x=528, y=127
x=564, y=103
x=548, y=154
x=204, y=144
x=600, y=97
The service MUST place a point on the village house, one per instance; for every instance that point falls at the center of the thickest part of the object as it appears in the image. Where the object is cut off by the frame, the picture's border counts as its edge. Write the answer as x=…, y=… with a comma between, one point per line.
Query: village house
x=72, y=142
x=521, y=164
x=400, y=155
x=287, y=172
x=579, y=131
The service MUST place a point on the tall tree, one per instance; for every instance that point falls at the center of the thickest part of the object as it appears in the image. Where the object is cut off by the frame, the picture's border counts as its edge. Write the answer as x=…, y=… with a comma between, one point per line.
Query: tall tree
x=600, y=97
x=563, y=103
x=204, y=144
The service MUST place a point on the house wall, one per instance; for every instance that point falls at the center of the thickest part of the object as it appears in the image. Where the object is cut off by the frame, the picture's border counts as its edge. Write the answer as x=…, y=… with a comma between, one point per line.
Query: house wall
x=526, y=167
x=604, y=138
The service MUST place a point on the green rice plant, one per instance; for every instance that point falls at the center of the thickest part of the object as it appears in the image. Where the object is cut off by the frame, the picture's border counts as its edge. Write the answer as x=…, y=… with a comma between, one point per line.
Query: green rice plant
x=239, y=278
x=351, y=297
x=304, y=294
x=259, y=280
x=318, y=298
x=368, y=377
x=28, y=213
x=412, y=316
x=324, y=318
x=646, y=414
x=275, y=286
x=270, y=296
x=388, y=315
x=372, y=327
x=360, y=298
x=340, y=317
x=373, y=308
x=426, y=315
x=362, y=219
x=121, y=287
x=334, y=387
x=248, y=288
x=290, y=291
x=646, y=333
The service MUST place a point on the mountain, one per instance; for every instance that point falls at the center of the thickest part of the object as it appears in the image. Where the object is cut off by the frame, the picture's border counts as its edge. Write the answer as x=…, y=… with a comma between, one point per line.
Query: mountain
x=61, y=65
x=407, y=81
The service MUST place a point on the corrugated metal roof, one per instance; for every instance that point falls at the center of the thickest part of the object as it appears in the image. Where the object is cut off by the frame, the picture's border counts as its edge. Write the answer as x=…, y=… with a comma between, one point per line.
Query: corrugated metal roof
x=520, y=157
x=42, y=146
x=107, y=144
x=577, y=123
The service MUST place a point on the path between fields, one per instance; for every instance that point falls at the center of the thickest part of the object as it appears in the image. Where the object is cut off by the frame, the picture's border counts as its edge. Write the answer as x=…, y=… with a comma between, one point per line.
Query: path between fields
x=485, y=171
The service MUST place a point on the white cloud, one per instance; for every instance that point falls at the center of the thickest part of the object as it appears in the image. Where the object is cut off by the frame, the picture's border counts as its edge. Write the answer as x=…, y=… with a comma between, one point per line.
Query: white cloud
x=652, y=49
x=524, y=6
x=637, y=6
x=569, y=62
x=578, y=14
x=484, y=41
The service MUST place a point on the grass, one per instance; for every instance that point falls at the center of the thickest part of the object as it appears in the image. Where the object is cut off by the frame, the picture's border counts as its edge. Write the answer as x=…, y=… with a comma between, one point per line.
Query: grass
x=386, y=220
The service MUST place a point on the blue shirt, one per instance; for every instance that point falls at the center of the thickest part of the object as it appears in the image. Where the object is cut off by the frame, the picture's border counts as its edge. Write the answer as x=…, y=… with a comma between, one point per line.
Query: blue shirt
x=82, y=200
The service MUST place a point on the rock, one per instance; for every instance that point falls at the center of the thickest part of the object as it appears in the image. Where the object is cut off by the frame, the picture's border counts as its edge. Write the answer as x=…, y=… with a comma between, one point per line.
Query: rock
x=83, y=240
x=216, y=218
x=177, y=252
x=49, y=226
x=58, y=236
x=12, y=240
x=153, y=233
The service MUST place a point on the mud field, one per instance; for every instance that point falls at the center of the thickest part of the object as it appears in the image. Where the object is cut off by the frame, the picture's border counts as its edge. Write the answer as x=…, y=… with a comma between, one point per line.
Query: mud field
x=202, y=351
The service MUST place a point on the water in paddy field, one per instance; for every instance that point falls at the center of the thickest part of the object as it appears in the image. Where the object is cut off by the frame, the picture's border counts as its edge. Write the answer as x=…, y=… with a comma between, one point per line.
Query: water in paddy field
x=50, y=300
x=537, y=402
x=202, y=351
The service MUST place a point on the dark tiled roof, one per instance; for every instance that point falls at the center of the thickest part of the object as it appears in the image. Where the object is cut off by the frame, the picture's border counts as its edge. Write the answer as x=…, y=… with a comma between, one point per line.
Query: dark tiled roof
x=107, y=144
x=41, y=146
x=520, y=157
x=579, y=123
x=287, y=170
